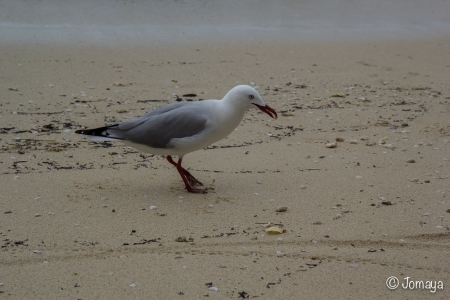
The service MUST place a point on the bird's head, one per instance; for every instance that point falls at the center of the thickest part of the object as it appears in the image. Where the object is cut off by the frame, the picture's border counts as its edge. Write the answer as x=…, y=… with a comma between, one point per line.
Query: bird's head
x=247, y=97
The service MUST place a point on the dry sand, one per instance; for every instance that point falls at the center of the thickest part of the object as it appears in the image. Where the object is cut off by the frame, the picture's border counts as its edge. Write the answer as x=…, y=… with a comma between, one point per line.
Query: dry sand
x=75, y=219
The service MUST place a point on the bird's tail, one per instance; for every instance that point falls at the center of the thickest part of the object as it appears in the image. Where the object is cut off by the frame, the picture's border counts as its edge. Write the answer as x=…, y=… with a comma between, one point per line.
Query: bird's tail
x=99, y=134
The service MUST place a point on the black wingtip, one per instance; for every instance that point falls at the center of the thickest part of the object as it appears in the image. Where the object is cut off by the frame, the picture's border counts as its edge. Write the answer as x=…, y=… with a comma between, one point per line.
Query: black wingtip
x=97, y=131
x=101, y=132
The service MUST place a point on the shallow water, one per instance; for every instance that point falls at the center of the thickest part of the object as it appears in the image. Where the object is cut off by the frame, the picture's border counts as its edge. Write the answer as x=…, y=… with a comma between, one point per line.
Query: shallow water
x=149, y=22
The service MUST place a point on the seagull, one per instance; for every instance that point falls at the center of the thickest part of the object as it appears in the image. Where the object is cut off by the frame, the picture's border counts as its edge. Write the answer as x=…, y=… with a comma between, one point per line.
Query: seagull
x=179, y=128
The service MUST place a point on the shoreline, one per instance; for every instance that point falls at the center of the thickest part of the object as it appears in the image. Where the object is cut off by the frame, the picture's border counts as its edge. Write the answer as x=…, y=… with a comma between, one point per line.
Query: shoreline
x=150, y=22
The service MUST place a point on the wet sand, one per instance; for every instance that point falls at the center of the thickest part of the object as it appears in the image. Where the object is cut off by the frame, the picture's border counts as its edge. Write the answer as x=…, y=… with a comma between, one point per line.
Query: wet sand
x=75, y=215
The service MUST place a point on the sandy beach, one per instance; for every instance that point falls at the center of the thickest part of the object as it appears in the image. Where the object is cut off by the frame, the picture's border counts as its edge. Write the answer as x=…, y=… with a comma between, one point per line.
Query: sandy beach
x=85, y=220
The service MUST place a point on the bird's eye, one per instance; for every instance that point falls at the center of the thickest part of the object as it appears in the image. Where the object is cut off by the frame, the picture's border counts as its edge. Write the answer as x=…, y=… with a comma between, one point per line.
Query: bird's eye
x=251, y=96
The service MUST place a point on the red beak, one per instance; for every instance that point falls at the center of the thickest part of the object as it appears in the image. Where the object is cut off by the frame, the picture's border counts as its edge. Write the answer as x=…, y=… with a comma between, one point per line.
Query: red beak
x=268, y=110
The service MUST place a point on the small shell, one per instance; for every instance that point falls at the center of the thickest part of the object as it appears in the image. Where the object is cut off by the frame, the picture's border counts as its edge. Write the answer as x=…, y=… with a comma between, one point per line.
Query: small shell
x=332, y=145
x=281, y=209
x=275, y=230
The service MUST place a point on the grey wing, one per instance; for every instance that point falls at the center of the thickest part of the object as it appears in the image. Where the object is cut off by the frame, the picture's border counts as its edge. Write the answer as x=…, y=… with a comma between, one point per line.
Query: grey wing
x=157, y=130
x=158, y=111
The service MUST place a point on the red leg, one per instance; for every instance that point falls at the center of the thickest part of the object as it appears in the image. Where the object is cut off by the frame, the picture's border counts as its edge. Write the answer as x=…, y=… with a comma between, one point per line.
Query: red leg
x=184, y=176
x=192, y=179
